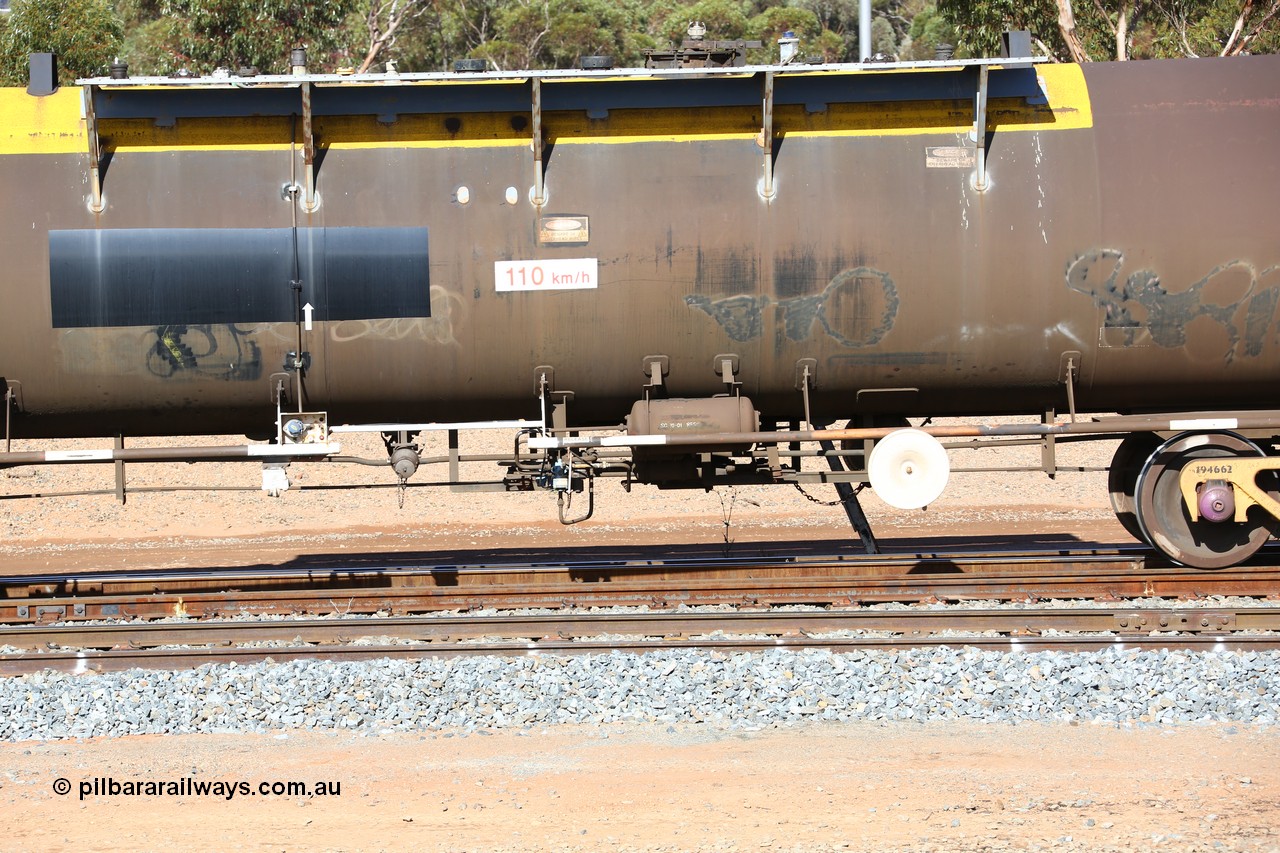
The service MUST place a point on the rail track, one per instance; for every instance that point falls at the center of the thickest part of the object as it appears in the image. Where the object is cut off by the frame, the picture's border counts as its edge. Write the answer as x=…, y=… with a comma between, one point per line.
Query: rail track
x=396, y=611
x=176, y=645
x=1098, y=573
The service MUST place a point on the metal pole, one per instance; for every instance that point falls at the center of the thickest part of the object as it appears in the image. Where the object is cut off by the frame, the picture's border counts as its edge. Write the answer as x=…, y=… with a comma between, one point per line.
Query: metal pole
x=980, y=132
x=864, y=31
x=539, y=191
x=766, y=134
x=119, y=469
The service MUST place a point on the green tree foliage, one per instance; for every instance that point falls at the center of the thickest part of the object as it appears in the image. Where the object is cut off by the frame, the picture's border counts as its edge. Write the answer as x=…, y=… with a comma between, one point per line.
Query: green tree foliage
x=772, y=23
x=1121, y=29
x=150, y=37
x=161, y=36
x=259, y=33
x=979, y=23
x=85, y=34
x=929, y=29
x=555, y=33
x=1214, y=28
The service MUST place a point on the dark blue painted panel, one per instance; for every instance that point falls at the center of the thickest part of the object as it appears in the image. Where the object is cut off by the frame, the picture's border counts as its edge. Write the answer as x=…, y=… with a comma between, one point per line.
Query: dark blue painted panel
x=158, y=276
x=593, y=95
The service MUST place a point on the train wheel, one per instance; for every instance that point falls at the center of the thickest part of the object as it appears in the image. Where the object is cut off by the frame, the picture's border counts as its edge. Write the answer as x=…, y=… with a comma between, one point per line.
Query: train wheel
x=1122, y=478
x=1163, y=518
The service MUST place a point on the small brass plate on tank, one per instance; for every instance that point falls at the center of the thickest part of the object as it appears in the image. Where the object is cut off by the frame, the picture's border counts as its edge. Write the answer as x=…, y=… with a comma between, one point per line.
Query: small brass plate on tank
x=563, y=229
x=948, y=157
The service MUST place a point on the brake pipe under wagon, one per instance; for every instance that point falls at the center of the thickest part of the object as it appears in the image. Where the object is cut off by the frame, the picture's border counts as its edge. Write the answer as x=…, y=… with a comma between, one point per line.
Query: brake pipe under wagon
x=1139, y=423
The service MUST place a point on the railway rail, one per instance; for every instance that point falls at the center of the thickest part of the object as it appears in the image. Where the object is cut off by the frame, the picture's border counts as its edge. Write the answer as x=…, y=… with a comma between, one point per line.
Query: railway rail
x=1100, y=572
x=169, y=645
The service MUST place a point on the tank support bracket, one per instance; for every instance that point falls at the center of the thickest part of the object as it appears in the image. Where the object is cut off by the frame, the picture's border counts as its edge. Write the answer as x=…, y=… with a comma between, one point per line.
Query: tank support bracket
x=655, y=367
x=766, y=136
x=96, y=203
x=309, y=201
x=539, y=178
x=10, y=395
x=1068, y=373
x=980, y=131
x=806, y=378
x=726, y=364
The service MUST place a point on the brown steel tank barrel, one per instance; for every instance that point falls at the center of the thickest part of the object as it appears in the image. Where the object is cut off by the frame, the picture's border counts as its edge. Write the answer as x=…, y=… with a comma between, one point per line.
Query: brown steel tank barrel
x=438, y=243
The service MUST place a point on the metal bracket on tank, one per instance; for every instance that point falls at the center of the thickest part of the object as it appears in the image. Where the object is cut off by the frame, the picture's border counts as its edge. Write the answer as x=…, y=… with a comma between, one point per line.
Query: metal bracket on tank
x=96, y=202
x=309, y=200
x=558, y=419
x=656, y=367
x=766, y=136
x=545, y=377
x=806, y=378
x=726, y=365
x=1069, y=373
x=539, y=179
x=979, y=132
x=12, y=401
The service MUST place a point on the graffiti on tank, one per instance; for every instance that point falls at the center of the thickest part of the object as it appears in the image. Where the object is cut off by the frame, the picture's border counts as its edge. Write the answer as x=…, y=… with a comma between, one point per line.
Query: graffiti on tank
x=221, y=351
x=436, y=329
x=1233, y=295
x=857, y=308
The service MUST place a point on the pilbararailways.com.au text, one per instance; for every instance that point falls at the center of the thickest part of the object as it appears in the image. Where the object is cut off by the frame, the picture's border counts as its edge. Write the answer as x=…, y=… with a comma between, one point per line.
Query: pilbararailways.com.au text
x=105, y=786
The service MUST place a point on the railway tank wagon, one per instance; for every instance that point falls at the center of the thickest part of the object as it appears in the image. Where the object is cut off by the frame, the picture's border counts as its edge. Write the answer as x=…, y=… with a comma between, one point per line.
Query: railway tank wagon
x=710, y=256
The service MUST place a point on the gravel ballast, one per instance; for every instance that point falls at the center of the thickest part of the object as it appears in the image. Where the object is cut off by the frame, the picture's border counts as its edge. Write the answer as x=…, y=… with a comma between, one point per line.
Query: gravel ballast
x=740, y=690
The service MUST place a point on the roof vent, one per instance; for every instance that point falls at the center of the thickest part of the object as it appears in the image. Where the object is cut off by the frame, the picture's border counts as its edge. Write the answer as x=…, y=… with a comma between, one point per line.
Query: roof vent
x=44, y=74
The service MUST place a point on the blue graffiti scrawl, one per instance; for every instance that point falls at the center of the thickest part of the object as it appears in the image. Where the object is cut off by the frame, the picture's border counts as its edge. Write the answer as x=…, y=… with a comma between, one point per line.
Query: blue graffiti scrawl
x=857, y=308
x=1098, y=275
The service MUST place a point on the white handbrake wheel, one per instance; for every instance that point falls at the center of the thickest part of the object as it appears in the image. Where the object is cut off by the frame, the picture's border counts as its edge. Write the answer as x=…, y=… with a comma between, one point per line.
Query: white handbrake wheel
x=908, y=469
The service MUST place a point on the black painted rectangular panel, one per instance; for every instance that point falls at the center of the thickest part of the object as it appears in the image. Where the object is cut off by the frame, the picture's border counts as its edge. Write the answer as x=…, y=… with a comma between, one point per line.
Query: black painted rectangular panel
x=170, y=276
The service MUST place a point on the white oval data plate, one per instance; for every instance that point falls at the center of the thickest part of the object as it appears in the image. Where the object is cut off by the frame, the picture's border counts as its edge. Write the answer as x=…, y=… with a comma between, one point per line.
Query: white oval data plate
x=555, y=274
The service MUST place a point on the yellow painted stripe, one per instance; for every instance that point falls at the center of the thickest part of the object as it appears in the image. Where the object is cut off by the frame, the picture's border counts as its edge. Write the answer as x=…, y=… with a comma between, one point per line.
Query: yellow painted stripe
x=53, y=124
x=48, y=125
x=1068, y=96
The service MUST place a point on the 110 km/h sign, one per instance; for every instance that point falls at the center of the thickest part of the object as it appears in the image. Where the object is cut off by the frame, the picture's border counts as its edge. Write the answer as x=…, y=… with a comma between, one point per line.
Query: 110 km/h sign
x=555, y=274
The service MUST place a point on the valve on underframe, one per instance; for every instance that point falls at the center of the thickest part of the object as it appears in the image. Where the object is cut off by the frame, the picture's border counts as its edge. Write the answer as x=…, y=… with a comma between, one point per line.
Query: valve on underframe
x=561, y=477
x=404, y=458
x=558, y=474
x=404, y=461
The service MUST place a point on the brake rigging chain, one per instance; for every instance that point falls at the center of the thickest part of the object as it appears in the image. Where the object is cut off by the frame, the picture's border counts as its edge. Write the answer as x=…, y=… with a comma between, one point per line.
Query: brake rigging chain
x=400, y=492
x=837, y=502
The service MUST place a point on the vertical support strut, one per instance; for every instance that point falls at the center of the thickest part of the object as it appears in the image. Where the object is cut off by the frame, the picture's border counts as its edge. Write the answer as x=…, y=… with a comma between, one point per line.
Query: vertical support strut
x=8, y=411
x=119, y=463
x=455, y=458
x=1048, y=449
x=806, y=377
x=539, y=190
x=980, y=131
x=309, y=201
x=1071, y=370
x=849, y=500
x=96, y=203
x=766, y=135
